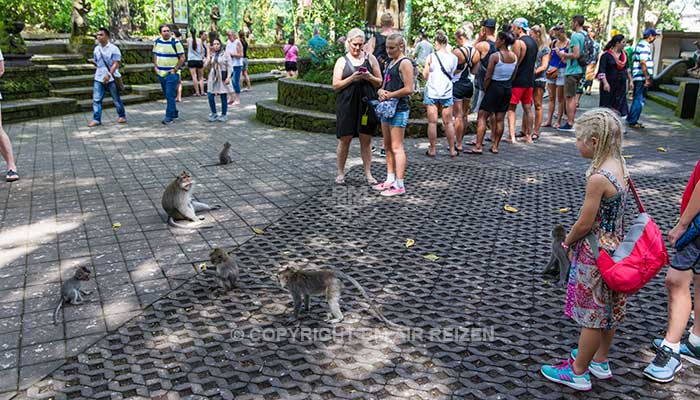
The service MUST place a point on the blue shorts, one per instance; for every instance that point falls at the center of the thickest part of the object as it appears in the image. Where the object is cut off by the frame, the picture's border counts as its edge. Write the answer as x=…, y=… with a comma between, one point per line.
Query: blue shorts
x=400, y=119
x=438, y=102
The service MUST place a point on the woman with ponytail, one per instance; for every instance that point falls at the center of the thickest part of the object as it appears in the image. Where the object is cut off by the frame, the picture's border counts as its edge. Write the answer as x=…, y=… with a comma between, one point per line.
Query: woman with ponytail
x=614, y=74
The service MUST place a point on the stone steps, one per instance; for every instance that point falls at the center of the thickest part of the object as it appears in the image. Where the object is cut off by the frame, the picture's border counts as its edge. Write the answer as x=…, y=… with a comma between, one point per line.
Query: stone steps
x=108, y=102
x=50, y=46
x=65, y=82
x=665, y=99
x=154, y=92
x=78, y=93
x=58, y=59
x=673, y=90
x=56, y=70
x=26, y=109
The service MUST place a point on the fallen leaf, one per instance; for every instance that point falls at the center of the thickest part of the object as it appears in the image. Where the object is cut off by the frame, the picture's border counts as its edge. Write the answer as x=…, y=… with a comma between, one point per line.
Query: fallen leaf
x=661, y=149
x=510, y=208
x=258, y=231
x=628, y=156
x=116, y=225
x=531, y=180
x=203, y=266
x=431, y=257
x=410, y=242
x=564, y=210
x=188, y=309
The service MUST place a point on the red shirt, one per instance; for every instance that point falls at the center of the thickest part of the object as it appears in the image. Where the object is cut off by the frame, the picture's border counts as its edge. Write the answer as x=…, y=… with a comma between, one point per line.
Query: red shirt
x=692, y=182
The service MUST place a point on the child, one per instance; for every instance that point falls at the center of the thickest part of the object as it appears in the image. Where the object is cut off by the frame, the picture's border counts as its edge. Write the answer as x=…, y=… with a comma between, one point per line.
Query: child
x=589, y=301
x=685, y=267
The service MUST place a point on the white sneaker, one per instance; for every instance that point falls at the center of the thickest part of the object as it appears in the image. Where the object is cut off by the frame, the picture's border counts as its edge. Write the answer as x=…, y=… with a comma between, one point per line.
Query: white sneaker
x=222, y=118
x=212, y=117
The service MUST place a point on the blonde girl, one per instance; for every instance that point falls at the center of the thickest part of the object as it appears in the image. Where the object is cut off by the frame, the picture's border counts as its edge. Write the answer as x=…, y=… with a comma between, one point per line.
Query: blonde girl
x=589, y=301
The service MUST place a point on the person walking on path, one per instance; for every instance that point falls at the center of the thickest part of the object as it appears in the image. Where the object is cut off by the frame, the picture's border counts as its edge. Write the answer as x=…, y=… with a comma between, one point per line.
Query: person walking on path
x=462, y=86
x=291, y=54
x=556, y=78
x=376, y=45
x=539, y=34
x=234, y=50
x=438, y=73
x=219, y=82
x=684, y=270
x=356, y=78
x=106, y=57
x=589, y=301
x=525, y=49
x=244, y=62
x=398, y=84
x=574, y=71
x=614, y=74
x=497, y=83
x=642, y=75
x=5, y=144
x=168, y=57
x=317, y=45
x=195, y=61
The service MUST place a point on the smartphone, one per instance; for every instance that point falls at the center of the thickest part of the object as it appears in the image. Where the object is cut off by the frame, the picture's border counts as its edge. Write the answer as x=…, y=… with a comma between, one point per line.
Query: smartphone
x=362, y=69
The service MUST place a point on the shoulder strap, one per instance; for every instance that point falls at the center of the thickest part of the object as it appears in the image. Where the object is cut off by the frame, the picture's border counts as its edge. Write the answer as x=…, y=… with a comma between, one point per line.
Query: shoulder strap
x=442, y=67
x=611, y=178
x=466, y=60
x=636, y=195
x=173, y=43
x=104, y=61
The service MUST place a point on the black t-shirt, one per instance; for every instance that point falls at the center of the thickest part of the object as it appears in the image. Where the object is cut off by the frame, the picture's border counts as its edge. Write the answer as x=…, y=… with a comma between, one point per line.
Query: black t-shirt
x=484, y=64
x=393, y=82
x=525, y=76
x=245, y=49
x=380, y=50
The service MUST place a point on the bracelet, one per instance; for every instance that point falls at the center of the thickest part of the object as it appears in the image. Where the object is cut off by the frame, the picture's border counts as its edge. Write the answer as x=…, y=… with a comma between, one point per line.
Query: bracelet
x=565, y=246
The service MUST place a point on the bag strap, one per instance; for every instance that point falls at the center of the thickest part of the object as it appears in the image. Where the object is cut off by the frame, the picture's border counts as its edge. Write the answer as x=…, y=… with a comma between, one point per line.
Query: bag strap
x=102, y=56
x=449, y=77
x=636, y=196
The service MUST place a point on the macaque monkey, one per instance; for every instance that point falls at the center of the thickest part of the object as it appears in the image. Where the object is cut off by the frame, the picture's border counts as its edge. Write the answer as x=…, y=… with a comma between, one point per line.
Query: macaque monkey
x=226, y=268
x=178, y=202
x=559, y=260
x=306, y=283
x=224, y=156
x=71, y=291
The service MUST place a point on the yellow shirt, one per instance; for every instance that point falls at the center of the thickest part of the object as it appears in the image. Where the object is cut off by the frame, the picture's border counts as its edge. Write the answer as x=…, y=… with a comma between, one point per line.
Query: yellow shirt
x=167, y=53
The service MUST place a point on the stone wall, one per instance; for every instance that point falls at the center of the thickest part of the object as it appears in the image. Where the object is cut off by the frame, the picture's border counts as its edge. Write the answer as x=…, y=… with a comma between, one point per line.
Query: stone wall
x=25, y=82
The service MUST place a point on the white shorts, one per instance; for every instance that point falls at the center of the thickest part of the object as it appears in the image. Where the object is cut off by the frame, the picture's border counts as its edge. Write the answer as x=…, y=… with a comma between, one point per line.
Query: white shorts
x=561, y=78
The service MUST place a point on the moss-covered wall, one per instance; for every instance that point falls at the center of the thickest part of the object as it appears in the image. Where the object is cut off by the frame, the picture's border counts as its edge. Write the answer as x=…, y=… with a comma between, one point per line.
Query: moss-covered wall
x=25, y=82
x=257, y=51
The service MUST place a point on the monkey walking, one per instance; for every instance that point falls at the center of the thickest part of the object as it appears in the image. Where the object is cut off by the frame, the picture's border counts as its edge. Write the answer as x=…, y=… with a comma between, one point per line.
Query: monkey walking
x=71, y=291
x=559, y=260
x=226, y=268
x=224, y=157
x=322, y=282
x=178, y=202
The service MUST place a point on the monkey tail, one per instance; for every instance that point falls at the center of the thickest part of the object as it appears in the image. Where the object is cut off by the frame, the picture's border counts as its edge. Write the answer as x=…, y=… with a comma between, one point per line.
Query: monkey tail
x=58, y=307
x=381, y=316
x=171, y=222
x=209, y=165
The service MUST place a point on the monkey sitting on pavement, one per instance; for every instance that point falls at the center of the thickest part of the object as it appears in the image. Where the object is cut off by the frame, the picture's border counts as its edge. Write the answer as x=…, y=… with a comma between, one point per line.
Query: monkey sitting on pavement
x=306, y=283
x=226, y=268
x=224, y=157
x=71, y=291
x=178, y=203
x=559, y=260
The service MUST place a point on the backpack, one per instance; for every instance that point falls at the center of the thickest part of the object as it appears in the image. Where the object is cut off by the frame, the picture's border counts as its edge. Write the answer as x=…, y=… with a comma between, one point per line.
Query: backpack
x=638, y=258
x=587, y=53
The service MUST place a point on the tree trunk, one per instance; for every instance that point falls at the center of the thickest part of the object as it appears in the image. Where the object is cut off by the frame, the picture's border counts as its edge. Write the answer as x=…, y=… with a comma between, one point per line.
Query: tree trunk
x=119, y=19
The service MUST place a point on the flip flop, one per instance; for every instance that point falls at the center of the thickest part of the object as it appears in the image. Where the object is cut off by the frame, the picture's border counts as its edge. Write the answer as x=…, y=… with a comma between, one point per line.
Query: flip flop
x=520, y=134
x=427, y=153
x=371, y=181
x=339, y=180
x=474, y=152
x=535, y=136
x=494, y=151
x=472, y=143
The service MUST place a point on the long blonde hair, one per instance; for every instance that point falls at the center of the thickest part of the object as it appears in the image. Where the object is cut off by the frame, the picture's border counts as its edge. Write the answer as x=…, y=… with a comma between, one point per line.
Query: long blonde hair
x=605, y=125
x=543, y=39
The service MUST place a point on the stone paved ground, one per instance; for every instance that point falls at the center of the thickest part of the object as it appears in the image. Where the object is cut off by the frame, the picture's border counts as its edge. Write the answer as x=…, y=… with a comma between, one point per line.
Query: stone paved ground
x=78, y=182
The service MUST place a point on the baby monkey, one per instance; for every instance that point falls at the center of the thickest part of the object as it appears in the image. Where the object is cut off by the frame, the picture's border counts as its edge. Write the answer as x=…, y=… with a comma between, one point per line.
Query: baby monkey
x=559, y=260
x=224, y=157
x=226, y=268
x=321, y=282
x=71, y=291
x=178, y=203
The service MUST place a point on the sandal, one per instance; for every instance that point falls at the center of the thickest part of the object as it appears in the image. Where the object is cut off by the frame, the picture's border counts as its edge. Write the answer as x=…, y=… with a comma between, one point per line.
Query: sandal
x=371, y=180
x=427, y=153
x=11, y=176
x=535, y=136
x=493, y=151
x=475, y=152
x=520, y=134
x=340, y=180
x=547, y=125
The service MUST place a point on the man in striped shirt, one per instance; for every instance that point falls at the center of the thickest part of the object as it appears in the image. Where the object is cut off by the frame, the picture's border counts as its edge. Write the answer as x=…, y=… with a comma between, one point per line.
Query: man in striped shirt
x=642, y=74
x=168, y=57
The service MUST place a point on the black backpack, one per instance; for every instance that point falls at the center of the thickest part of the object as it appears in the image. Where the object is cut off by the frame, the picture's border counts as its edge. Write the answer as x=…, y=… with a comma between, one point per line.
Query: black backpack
x=587, y=53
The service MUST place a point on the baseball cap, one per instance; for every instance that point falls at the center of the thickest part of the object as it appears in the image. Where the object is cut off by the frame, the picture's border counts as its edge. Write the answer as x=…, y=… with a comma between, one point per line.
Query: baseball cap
x=522, y=24
x=650, y=32
x=489, y=23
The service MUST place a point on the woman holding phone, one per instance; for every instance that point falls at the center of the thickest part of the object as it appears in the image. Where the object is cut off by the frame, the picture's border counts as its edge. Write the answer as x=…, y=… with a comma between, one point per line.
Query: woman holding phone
x=356, y=78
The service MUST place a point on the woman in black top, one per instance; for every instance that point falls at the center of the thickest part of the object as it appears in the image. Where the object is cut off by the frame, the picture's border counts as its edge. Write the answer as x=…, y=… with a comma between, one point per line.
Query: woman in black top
x=356, y=78
x=614, y=73
x=244, y=69
x=398, y=84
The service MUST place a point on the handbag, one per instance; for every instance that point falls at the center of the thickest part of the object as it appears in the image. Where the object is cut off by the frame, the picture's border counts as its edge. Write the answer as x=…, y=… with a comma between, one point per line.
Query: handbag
x=690, y=234
x=384, y=109
x=638, y=258
x=552, y=73
x=117, y=79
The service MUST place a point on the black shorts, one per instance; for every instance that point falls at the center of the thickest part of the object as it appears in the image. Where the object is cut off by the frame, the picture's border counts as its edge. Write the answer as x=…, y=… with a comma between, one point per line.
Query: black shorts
x=497, y=97
x=195, y=64
x=462, y=89
x=290, y=65
x=540, y=84
x=688, y=258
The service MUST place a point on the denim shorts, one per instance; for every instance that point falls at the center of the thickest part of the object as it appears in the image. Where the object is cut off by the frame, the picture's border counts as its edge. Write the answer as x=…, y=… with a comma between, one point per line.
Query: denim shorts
x=400, y=119
x=438, y=102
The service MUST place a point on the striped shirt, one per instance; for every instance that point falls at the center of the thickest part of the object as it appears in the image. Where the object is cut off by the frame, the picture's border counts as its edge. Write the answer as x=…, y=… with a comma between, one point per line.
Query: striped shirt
x=167, y=53
x=642, y=53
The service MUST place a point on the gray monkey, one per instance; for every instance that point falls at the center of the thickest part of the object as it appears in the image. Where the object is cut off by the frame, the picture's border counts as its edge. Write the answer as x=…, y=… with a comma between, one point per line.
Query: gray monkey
x=306, y=283
x=71, y=291
x=559, y=260
x=178, y=203
x=226, y=268
x=224, y=157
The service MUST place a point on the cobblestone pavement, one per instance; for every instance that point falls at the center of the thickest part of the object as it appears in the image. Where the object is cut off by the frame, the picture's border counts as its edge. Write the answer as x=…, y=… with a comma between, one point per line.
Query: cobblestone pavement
x=77, y=183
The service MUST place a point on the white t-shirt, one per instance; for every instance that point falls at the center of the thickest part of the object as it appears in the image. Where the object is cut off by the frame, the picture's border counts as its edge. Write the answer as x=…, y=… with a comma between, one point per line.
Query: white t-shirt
x=439, y=85
x=111, y=54
x=231, y=49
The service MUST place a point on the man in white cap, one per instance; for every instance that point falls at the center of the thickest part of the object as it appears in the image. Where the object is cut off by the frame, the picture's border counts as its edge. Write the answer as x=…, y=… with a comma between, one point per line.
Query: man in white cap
x=525, y=48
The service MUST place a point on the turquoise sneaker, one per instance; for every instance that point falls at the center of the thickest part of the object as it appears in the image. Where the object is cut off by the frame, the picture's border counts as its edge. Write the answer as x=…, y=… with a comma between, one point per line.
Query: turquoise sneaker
x=563, y=373
x=600, y=370
x=688, y=351
x=664, y=366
